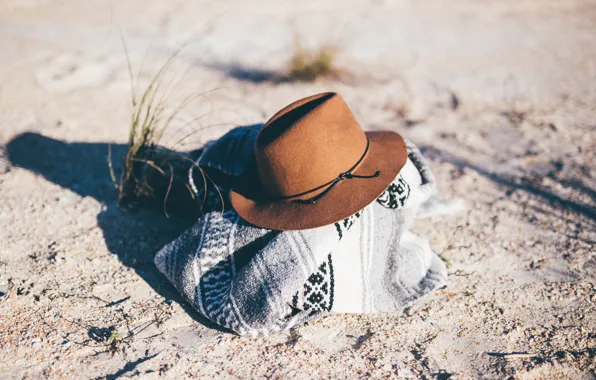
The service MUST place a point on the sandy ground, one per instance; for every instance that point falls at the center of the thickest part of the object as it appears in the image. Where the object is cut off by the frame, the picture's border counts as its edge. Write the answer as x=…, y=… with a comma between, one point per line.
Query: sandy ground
x=501, y=96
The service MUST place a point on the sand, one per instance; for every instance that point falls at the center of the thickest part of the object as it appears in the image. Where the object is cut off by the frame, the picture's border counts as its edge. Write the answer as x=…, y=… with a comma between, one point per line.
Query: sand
x=500, y=95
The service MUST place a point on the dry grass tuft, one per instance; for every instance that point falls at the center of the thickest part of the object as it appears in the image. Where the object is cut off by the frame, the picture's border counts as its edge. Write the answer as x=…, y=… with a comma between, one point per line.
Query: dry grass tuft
x=153, y=173
x=307, y=65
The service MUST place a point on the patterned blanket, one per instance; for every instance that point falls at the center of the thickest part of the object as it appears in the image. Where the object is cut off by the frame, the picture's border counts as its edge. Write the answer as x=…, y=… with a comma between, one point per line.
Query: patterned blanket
x=255, y=281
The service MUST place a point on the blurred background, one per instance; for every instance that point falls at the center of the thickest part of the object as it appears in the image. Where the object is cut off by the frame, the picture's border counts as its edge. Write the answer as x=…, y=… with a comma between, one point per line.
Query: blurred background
x=392, y=59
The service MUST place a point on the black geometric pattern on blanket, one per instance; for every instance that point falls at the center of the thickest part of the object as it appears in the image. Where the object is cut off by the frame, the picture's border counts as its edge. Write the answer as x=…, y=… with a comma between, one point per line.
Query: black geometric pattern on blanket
x=396, y=194
x=317, y=293
x=346, y=224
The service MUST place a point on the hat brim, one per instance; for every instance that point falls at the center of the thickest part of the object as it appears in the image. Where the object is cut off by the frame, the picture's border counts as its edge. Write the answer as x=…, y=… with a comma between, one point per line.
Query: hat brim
x=387, y=154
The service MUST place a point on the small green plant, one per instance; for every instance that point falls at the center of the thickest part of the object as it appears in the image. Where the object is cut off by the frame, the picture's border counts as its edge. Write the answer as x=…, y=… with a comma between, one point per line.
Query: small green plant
x=307, y=65
x=113, y=342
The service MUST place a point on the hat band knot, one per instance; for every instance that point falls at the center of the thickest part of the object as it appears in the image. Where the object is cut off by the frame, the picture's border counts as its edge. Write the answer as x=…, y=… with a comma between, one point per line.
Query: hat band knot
x=331, y=184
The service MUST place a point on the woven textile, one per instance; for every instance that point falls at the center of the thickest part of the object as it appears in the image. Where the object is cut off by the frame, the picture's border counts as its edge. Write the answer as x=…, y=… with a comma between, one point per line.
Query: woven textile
x=255, y=281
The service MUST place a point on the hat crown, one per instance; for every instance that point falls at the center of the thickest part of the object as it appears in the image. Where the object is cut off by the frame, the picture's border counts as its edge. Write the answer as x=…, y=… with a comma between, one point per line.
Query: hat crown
x=308, y=144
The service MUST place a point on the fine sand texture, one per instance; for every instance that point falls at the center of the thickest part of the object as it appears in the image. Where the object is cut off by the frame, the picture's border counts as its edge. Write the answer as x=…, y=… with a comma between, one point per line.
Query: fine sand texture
x=499, y=95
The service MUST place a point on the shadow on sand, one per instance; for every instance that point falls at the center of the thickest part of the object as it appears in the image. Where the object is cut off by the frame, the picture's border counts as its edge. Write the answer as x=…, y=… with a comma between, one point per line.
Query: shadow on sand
x=525, y=184
x=251, y=74
x=133, y=235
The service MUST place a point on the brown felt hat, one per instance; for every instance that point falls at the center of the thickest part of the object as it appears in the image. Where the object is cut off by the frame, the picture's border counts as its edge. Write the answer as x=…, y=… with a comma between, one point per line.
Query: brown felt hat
x=313, y=165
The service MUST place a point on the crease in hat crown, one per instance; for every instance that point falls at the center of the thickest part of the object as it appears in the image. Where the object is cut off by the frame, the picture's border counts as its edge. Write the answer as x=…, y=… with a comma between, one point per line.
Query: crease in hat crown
x=307, y=144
